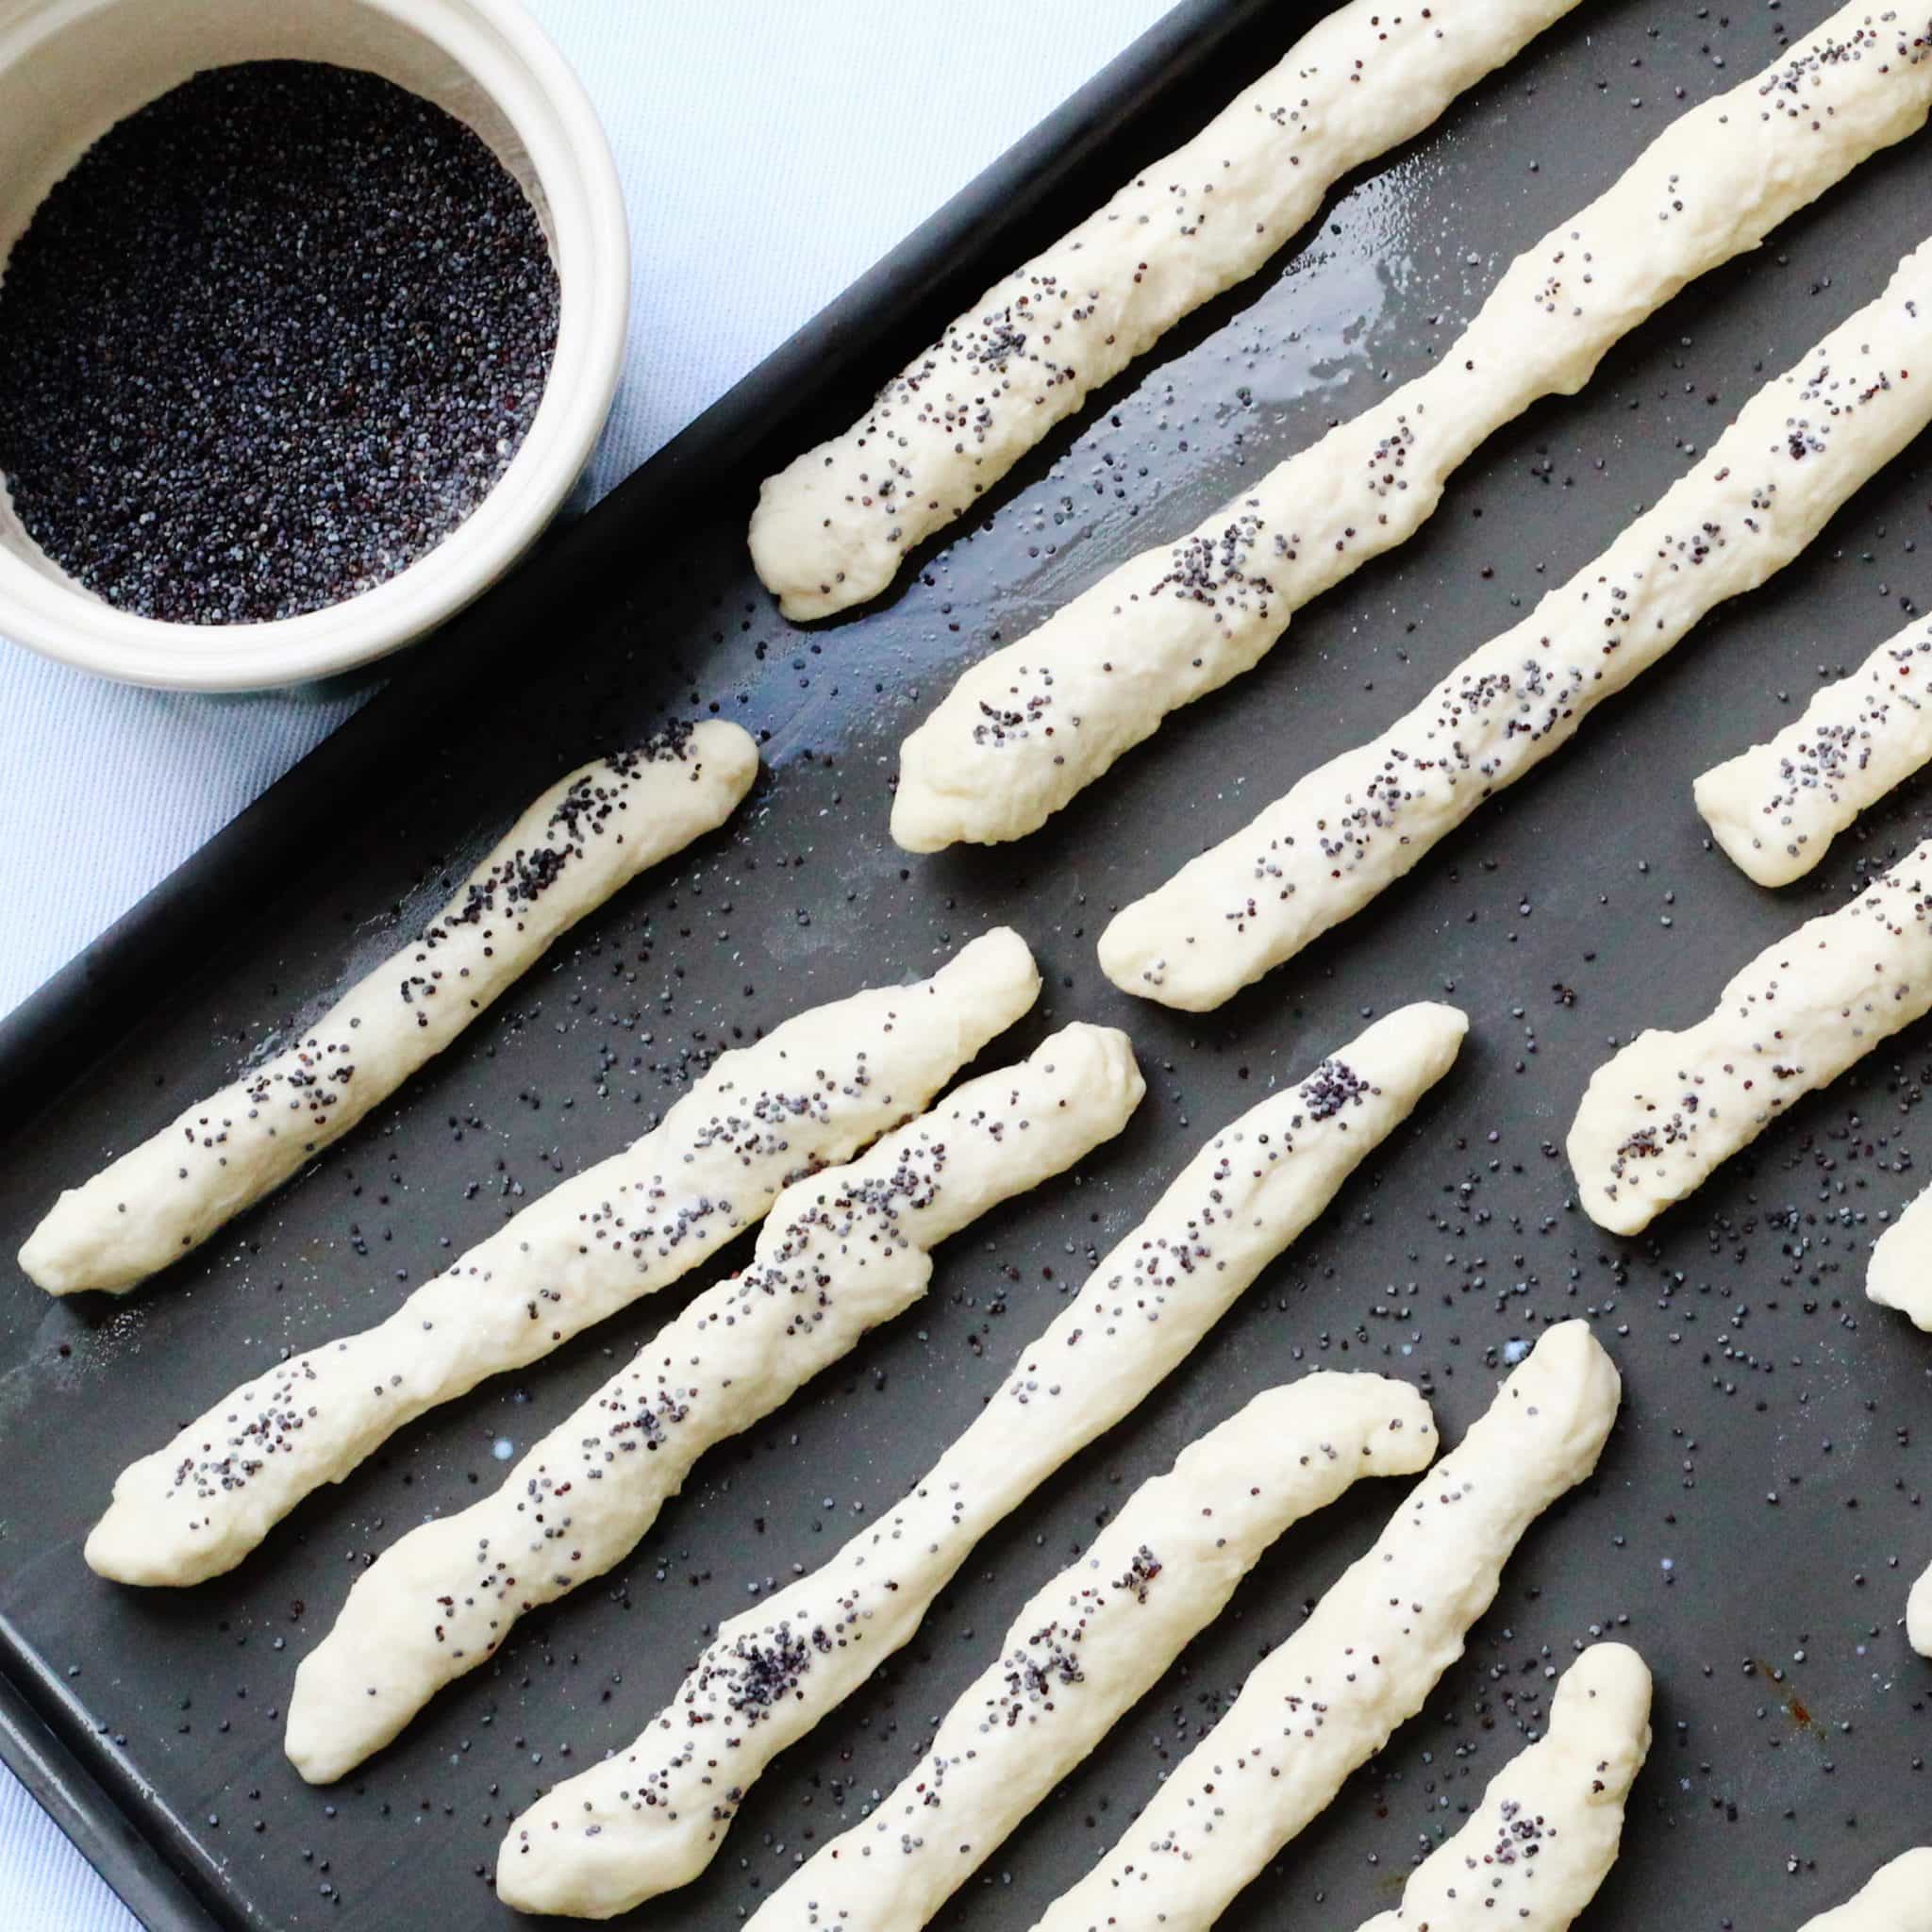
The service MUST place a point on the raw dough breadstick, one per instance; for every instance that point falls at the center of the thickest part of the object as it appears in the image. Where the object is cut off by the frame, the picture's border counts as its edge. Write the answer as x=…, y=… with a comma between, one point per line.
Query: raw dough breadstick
x=1900, y=1273
x=1329, y=1698
x=1028, y=727
x=1096, y=1639
x=1918, y=1615
x=809, y=1095
x=1660, y=1114
x=832, y=529
x=585, y=838
x=1796, y=452
x=1899, y=1899
x=1777, y=808
x=840, y=1253
x=1546, y=1833
x=654, y=1816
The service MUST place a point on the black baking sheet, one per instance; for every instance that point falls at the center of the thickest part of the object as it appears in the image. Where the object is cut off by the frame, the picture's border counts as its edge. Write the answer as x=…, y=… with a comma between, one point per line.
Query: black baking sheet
x=1758, y=1515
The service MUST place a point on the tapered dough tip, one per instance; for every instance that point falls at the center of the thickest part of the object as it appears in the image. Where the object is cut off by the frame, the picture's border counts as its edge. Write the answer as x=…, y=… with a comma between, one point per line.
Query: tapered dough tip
x=600, y=1879
x=788, y=525
x=998, y=958
x=117, y=1550
x=1405, y=1439
x=1613, y=1677
x=1427, y=1033
x=73, y=1251
x=1735, y=841
x=1897, y=1899
x=45, y=1259
x=1618, y=1208
x=1571, y=1359
x=920, y=822
x=312, y=1742
x=1146, y=952
x=1111, y=1067
x=728, y=751
x=1897, y=1274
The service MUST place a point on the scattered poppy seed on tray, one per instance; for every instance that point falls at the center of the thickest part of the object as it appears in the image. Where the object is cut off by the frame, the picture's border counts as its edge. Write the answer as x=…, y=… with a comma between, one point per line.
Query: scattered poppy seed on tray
x=273, y=337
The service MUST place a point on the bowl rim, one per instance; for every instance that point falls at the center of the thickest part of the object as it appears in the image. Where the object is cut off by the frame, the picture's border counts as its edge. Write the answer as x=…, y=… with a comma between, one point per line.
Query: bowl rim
x=504, y=51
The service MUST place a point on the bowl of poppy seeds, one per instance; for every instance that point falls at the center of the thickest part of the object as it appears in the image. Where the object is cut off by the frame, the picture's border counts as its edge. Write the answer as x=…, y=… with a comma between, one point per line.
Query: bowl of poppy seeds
x=310, y=316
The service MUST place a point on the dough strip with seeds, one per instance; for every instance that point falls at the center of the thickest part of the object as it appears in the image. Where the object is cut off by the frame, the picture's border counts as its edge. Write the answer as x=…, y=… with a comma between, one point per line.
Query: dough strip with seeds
x=1662, y=1114
x=833, y=528
x=1329, y=1698
x=1027, y=727
x=1091, y=1643
x=654, y=1814
x=1797, y=451
x=588, y=836
x=840, y=1253
x=1548, y=1831
x=808, y=1095
x=1776, y=809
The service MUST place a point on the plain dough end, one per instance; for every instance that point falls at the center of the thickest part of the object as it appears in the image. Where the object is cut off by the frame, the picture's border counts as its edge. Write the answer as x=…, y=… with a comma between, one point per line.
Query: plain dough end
x=928, y=816
x=1899, y=1274
x=1918, y=1615
x=794, y=521
x=1898, y=1899
x=1147, y=953
x=1721, y=796
x=65, y=1254
x=1569, y=1370
x=1616, y=1680
x=921, y=818
x=729, y=754
x=996, y=971
x=124, y=1547
x=317, y=1740
x=548, y=1864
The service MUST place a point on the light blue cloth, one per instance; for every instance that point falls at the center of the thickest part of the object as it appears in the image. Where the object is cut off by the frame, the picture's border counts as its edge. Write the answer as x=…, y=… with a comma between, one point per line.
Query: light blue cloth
x=770, y=153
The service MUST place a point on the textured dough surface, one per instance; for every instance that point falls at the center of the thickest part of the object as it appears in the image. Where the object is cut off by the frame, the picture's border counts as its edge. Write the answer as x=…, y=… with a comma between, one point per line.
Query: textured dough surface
x=1329, y=1698
x=840, y=1254
x=1918, y=1615
x=1899, y=1899
x=1547, y=1830
x=1029, y=725
x=1900, y=1273
x=1776, y=809
x=589, y=834
x=1798, y=449
x=833, y=528
x=1095, y=1640
x=654, y=1815
x=811, y=1093
x=1658, y=1116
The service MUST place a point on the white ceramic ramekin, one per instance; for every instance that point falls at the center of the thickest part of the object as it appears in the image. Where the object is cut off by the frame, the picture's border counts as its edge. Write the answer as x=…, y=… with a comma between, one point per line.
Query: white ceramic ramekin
x=70, y=69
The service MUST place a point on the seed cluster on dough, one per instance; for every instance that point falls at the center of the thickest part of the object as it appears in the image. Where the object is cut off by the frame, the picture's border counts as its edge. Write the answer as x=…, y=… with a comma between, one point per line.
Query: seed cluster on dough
x=1660, y=1115
x=1776, y=809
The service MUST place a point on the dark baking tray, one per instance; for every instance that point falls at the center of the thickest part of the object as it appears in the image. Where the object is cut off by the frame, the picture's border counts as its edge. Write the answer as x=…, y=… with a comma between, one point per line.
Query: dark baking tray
x=1792, y=1724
